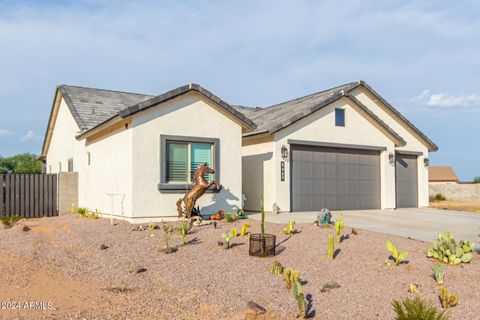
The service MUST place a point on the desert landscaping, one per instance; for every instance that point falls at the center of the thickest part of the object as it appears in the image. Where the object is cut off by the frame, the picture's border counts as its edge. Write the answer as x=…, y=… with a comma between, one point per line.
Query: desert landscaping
x=81, y=268
x=472, y=205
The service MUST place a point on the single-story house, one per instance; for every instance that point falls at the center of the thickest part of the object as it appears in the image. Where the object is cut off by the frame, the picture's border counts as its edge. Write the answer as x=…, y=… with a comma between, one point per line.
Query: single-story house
x=441, y=175
x=342, y=148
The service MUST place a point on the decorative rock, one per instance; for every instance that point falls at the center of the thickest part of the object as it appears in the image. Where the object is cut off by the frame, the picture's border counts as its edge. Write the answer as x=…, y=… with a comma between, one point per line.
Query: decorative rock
x=329, y=285
x=254, y=309
x=324, y=217
x=103, y=247
x=137, y=269
x=138, y=228
x=169, y=250
x=25, y=228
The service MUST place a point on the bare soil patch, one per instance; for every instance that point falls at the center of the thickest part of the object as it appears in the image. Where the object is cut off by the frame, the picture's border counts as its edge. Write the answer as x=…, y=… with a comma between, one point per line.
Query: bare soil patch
x=60, y=261
x=472, y=206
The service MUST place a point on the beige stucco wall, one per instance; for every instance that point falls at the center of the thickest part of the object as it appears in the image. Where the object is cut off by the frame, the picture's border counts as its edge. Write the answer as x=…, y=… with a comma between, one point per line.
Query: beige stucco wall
x=413, y=142
x=109, y=171
x=189, y=115
x=63, y=145
x=258, y=173
x=106, y=184
x=320, y=127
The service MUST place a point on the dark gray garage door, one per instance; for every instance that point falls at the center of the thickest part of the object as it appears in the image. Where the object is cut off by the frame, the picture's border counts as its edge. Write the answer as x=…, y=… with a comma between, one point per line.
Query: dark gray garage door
x=406, y=180
x=334, y=178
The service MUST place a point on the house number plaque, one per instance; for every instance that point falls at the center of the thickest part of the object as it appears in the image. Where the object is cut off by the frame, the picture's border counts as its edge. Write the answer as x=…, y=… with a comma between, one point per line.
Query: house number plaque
x=282, y=170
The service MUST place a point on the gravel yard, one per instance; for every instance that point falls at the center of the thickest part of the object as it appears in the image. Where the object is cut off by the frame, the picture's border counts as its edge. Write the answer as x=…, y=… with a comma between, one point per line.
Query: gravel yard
x=60, y=261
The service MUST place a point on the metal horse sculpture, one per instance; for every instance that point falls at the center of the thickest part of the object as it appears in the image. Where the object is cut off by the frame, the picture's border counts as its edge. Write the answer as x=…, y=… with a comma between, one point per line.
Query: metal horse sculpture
x=200, y=185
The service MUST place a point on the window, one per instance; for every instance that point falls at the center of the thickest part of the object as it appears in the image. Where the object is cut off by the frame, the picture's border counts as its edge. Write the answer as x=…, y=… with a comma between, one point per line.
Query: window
x=70, y=165
x=183, y=158
x=340, y=117
x=180, y=157
x=59, y=167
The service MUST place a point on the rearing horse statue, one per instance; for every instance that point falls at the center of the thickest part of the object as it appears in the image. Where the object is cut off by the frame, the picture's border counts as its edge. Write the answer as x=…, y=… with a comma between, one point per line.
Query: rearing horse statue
x=200, y=185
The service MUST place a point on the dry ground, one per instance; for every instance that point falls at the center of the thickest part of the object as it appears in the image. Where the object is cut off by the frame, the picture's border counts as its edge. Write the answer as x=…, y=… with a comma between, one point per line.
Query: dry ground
x=472, y=206
x=59, y=262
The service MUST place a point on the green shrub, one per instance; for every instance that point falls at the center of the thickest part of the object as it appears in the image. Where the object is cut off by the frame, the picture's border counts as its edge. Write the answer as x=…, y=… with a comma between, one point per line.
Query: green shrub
x=416, y=309
x=9, y=221
x=439, y=197
x=476, y=180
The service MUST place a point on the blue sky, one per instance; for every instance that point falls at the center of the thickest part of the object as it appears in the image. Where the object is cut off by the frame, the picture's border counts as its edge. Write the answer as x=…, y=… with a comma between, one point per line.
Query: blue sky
x=422, y=56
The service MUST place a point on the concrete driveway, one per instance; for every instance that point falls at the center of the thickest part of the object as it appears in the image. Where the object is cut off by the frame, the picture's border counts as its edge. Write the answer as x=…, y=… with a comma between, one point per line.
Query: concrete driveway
x=417, y=223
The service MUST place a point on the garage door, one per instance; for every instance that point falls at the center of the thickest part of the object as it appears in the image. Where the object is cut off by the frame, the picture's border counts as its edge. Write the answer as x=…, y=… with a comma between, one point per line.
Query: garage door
x=406, y=180
x=334, y=178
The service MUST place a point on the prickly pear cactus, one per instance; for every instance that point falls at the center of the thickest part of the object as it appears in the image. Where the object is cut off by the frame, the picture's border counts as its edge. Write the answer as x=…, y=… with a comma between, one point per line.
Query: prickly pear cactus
x=447, y=250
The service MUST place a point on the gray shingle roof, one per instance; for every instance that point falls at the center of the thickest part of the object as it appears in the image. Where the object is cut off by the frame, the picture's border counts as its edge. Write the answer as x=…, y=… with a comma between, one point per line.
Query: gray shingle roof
x=274, y=118
x=91, y=107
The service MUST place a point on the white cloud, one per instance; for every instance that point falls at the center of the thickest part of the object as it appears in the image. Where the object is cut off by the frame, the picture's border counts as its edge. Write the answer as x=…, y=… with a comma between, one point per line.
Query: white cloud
x=446, y=99
x=30, y=135
x=5, y=133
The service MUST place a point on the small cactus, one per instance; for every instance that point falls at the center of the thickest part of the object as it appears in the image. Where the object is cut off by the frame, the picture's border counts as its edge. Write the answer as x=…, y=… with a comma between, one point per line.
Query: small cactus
x=331, y=247
x=297, y=293
x=339, y=227
x=397, y=256
x=290, y=276
x=226, y=239
x=276, y=268
x=448, y=299
x=244, y=232
x=290, y=228
x=438, y=273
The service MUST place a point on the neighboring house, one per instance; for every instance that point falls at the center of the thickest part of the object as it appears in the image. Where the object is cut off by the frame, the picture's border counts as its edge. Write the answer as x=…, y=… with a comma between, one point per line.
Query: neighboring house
x=343, y=148
x=442, y=175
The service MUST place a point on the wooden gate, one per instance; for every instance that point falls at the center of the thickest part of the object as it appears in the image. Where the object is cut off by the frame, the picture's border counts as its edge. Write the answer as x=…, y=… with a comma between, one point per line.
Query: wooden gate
x=28, y=195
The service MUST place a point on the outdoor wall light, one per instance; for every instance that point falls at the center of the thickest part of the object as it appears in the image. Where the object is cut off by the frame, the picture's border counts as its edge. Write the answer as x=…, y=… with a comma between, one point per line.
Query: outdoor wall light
x=426, y=162
x=284, y=152
x=391, y=158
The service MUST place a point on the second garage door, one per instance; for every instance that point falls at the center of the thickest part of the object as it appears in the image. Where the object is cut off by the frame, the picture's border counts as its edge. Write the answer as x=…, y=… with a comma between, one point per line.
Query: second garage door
x=334, y=178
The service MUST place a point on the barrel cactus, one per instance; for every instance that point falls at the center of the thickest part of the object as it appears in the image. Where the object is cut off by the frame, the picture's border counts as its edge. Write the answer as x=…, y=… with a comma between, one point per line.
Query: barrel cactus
x=447, y=250
x=276, y=268
x=226, y=236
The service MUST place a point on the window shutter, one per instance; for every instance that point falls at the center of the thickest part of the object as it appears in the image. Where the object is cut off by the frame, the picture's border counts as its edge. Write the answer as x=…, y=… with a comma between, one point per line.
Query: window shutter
x=200, y=153
x=176, y=164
